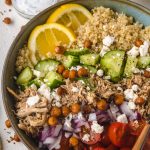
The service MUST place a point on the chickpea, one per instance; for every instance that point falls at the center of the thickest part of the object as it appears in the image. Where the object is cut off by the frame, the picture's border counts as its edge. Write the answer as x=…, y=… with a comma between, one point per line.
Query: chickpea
x=147, y=74
x=16, y=138
x=73, y=141
x=87, y=43
x=101, y=105
x=59, y=49
x=55, y=111
x=65, y=111
x=119, y=99
x=138, y=43
x=72, y=74
x=52, y=121
x=82, y=72
x=66, y=74
x=139, y=101
x=75, y=108
x=61, y=91
x=60, y=69
x=7, y=20
x=8, y=123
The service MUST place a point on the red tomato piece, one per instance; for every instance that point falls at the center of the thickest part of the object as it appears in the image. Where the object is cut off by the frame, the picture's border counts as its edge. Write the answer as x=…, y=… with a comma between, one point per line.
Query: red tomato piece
x=126, y=148
x=112, y=147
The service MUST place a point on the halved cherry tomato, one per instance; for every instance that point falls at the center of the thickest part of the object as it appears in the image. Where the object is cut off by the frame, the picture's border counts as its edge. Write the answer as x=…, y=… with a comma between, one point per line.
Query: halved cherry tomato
x=99, y=148
x=112, y=147
x=118, y=133
x=125, y=148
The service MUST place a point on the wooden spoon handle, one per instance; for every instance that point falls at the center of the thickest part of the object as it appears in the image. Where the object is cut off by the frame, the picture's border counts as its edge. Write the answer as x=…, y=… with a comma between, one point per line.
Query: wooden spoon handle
x=141, y=138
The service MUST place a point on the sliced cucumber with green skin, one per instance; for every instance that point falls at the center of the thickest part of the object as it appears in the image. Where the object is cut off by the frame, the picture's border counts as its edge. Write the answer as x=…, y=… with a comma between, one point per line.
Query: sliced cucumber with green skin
x=89, y=59
x=90, y=68
x=70, y=61
x=130, y=66
x=77, y=51
x=113, y=64
x=36, y=82
x=53, y=79
x=143, y=62
x=25, y=76
x=46, y=65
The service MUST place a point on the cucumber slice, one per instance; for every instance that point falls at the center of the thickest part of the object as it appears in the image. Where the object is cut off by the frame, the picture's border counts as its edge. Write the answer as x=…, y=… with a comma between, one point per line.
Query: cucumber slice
x=90, y=68
x=53, y=79
x=143, y=62
x=70, y=61
x=77, y=52
x=113, y=64
x=130, y=66
x=25, y=76
x=47, y=65
x=35, y=81
x=89, y=59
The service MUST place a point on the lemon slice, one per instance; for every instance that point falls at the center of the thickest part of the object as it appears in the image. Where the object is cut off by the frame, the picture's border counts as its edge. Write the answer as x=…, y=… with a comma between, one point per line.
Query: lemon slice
x=70, y=15
x=45, y=38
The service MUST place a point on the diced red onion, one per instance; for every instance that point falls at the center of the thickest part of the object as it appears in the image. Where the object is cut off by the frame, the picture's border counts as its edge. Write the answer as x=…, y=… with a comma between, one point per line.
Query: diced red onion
x=57, y=130
x=46, y=132
x=49, y=140
x=113, y=118
x=67, y=128
x=77, y=130
x=68, y=134
x=75, y=135
x=92, y=117
x=79, y=124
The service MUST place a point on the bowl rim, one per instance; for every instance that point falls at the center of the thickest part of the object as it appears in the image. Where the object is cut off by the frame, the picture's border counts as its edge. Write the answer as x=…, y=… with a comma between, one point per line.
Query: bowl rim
x=10, y=51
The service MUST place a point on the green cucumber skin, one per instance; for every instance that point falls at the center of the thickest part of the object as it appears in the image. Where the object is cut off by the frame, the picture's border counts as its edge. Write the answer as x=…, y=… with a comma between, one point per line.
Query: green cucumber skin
x=77, y=52
x=131, y=63
x=143, y=62
x=25, y=76
x=92, y=69
x=89, y=59
x=35, y=81
x=113, y=64
x=44, y=65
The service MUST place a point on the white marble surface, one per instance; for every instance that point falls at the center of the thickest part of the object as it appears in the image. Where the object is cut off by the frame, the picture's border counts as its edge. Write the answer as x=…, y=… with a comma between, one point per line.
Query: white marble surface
x=7, y=35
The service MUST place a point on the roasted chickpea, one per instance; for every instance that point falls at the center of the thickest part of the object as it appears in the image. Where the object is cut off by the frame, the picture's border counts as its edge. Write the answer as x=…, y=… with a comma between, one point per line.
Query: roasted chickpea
x=16, y=138
x=147, y=74
x=52, y=121
x=66, y=74
x=75, y=108
x=55, y=111
x=73, y=141
x=59, y=49
x=138, y=43
x=101, y=104
x=119, y=99
x=7, y=20
x=72, y=74
x=8, y=123
x=139, y=101
x=87, y=43
x=60, y=69
x=82, y=72
x=61, y=91
x=65, y=111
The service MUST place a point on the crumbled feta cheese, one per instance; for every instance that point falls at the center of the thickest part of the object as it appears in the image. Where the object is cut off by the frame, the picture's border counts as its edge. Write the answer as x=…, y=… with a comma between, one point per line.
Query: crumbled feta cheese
x=51, y=68
x=129, y=94
x=45, y=91
x=86, y=138
x=33, y=86
x=92, y=117
x=75, y=89
x=131, y=105
x=100, y=72
x=38, y=74
x=80, y=116
x=73, y=68
x=122, y=118
x=108, y=40
x=136, y=70
x=133, y=52
x=119, y=88
x=58, y=104
x=32, y=100
x=104, y=50
x=96, y=127
x=79, y=67
x=144, y=48
x=107, y=77
x=135, y=87
x=88, y=88
x=55, y=96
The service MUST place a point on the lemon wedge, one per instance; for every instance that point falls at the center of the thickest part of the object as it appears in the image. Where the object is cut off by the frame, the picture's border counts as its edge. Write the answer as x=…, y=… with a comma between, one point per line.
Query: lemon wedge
x=70, y=15
x=45, y=38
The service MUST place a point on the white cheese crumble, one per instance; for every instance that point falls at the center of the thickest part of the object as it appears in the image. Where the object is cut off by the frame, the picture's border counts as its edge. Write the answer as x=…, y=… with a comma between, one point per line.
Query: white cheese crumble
x=37, y=73
x=129, y=94
x=73, y=68
x=96, y=127
x=80, y=116
x=143, y=49
x=32, y=100
x=92, y=117
x=133, y=52
x=33, y=86
x=136, y=70
x=104, y=50
x=108, y=40
x=55, y=96
x=148, y=69
x=45, y=91
x=119, y=88
x=122, y=118
x=51, y=68
x=100, y=72
x=86, y=137
x=135, y=87
x=79, y=67
x=131, y=105
x=75, y=89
